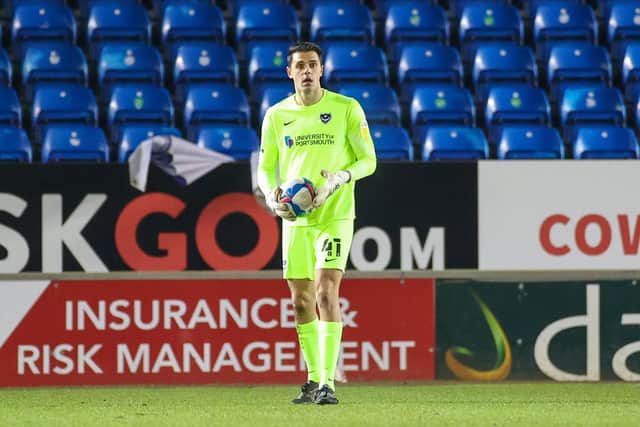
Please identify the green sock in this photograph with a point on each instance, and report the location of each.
(309, 343)
(330, 338)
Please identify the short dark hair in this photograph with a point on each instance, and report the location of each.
(304, 47)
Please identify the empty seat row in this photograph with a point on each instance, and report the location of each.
(88, 143)
(458, 143)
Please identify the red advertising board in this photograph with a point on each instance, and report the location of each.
(203, 331)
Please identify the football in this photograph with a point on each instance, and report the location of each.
(299, 194)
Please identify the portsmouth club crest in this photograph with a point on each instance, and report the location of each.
(325, 117)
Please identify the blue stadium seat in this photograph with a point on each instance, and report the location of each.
(271, 96)
(189, 23)
(414, 23)
(348, 22)
(159, 6)
(75, 143)
(307, 7)
(481, 24)
(380, 103)
(6, 69)
(631, 72)
(64, 63)
(530, 142)
(235, 141)
(15, 145)
(428, 65)
(456, 7)
(530, 7)
(128, 64)
(219, 105)
(9, 6)
(445, 106)
(455, 143)
(577, 64)
(622, 28)
(267, 68)
(41, 24)
(357, 63)
(590, 107)
(111, 23)
(260, 23)
(10, 110)
(132, 136)
(53, 106)
(502, 64)
(557, 23)
(203, 63)
(605, 143)
(391, 142)
(515, 106)
(141, 105)
(84, 6)
(234, 6)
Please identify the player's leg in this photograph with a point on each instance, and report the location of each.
(299, 271)
(332, 251)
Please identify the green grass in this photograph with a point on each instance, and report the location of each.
(505, 404)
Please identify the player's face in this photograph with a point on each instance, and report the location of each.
(305, 71)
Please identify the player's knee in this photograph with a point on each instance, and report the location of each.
(327, 300)
(303, 303)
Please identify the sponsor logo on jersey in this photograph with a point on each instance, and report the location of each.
(325, 117)
(288, 141)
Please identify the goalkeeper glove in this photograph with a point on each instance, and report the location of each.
(334, 181)
(283, 210)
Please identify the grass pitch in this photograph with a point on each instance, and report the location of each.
(540, 404)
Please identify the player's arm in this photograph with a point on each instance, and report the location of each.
(359, 138)
(361, 143)
(268, 170)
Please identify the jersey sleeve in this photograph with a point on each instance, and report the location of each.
(361, 143)
(268, 159)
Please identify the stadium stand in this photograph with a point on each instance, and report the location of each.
(128, 64)
(114, 22)
(201, 63)
(15, 146)
(530, 142)
(502, 64)
(54, 106)
(41, 24)
(454, 143)
(237, 142)
(48, 65)
(515, 106)
(75, 143)
(416, 66)
(437, 107)
(214, 105)
(391, 142)
(379, 102)
(10, 110)
(484, 24)
(186, 23)
(605, 143)
(411, 23)
(143, 105)
(132, 136)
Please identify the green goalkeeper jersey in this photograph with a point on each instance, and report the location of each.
(299, 141)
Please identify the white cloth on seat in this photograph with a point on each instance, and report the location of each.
(182, 159)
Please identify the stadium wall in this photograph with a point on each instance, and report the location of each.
(85, 297)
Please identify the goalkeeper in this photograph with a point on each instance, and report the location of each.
(322, 136)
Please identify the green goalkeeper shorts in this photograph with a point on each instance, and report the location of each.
(308, 248)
